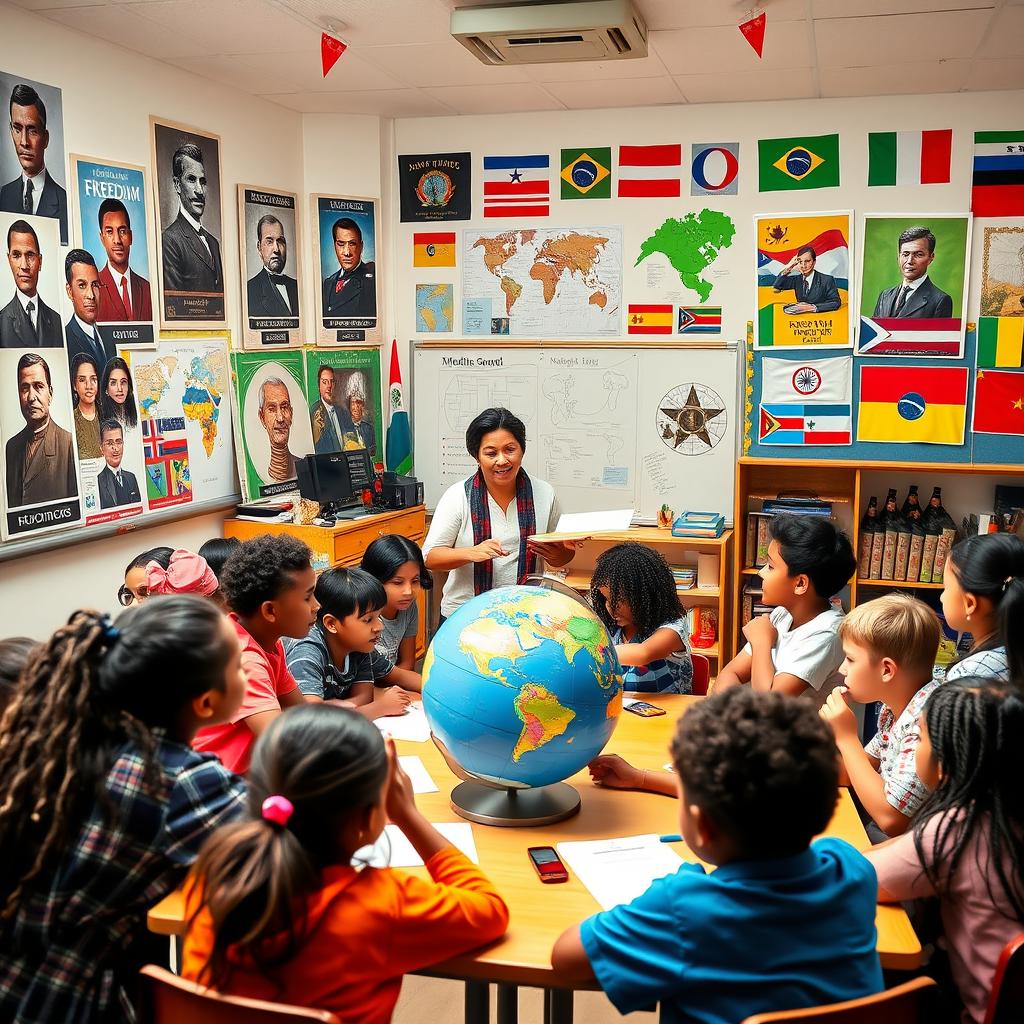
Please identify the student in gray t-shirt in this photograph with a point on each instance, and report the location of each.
(398, 563)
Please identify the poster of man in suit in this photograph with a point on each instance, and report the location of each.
(269, 258)
(32, 285)
(343, 390)
(117, 486)
(114, 227)
(186, 164)
(913, 284)
(349, 294)
(32, 176)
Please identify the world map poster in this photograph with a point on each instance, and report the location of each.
(546, 282)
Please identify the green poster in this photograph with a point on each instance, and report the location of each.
(344, 400)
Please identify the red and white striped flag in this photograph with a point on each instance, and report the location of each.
(650, 171)
(517, 186)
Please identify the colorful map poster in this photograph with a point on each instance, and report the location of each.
(691, 244)
(547, 282)
(435, 309)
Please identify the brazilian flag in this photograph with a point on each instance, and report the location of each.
(798, 163)
(586, 173)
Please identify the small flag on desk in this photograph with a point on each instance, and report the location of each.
(433, 249)
(649, 320)
(517, 186)
(909, 158)
(399, 442)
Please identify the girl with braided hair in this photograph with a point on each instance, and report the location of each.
(634, 594)
(279, 911)
(103, 803)
(966, 843)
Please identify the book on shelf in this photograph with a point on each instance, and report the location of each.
(698, 524)
(756, 535)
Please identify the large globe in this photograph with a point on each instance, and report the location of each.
(522, 686)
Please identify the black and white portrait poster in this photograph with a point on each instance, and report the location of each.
(33, 180)
(435, 186)
(186, 168)
(269, 256)
(348, 295)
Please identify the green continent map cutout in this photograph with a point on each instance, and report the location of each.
(544, 718)
(691, 243)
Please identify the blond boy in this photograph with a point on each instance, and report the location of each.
(889, 648)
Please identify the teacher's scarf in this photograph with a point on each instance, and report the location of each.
(476, 493)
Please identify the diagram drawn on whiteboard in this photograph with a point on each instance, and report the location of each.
(692, 419)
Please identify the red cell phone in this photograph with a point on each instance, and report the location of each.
(547, 864)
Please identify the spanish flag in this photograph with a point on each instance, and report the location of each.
(1000, 341)
(649, 320)
(926, 404)
(433, 249)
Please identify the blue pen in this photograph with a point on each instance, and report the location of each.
(670, 839)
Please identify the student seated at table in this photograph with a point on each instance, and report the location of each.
(280, 911)
(889, 648)
(217, 551)
(135, 589)
(185, 573)
(781, 923)
(269, 586)
(334, 661)
(965, 844)
(796, 648)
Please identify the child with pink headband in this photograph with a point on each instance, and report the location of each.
(186, 573)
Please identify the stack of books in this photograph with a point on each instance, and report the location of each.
(685, 576)
(699, 524)
(756, 547)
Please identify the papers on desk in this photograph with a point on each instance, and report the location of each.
(616, 871)
(594, 522)
(392, 849)
(418, 774)
(410, 726)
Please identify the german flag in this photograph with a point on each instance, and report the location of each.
(649, 320)
(433, 249)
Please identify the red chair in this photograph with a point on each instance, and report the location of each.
(910, 1003)
(168, 999)
(701, 674)
(1006, 1000)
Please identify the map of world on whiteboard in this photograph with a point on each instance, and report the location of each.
(548, 282)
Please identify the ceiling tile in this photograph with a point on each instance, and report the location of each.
(381, 22)
(625, 92)
(894, 79)
(495, 99)
(1007, 36)
(438, 64)
(383, 103)
(242, 73)
(666, 14)
(862, 42)
(724, 51)
(756, 85)
(870, 8)
(123, 27)
(352, 72)
(650, 66)
(51, 5)
(995, 74)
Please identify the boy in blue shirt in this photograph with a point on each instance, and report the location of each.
(782, 923)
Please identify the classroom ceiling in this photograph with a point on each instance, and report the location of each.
(402, 61)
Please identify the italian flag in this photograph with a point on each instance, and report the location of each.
(909, 158)
(399, 442)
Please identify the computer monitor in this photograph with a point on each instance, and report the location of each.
(335, 478)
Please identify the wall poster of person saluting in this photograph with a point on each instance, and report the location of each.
(348, 296)
(186, 165)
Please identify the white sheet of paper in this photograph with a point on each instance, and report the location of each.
(418, 774)
(616, 871)
(594, 522)
(412, 725)
(393, 850)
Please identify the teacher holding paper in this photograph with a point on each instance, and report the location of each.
(480, 526)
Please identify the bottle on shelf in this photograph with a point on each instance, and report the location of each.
(868, 532)
(917, 536)
(947, 533)
(932, 531)
(911, 502)
(891, 522)
(903, 538)
(890, 511)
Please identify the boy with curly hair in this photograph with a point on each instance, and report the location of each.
(268, 583)
(782, 923)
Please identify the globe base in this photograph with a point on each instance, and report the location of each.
(515, 808)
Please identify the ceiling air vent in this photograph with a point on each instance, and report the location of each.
(580, 30)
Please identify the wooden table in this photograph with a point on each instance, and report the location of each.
(540, 913)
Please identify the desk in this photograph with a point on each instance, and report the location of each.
(540, 913)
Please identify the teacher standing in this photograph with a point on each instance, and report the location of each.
(481, 525)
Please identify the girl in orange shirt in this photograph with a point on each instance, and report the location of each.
(278, 912)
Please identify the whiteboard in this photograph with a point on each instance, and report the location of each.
(607, 426)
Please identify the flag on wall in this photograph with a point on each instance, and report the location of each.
(650, 171)
(398, 450)
(908, 336)
(997, 187)
(165, 447)
(433, 249)
(927, 404)
(649, 319)
(517, 186)
(999, 402)
(700, 319)
(586, 173)
(1001, 341)
(715, 169)
(798, 163)
(909, 158)
(805, 401)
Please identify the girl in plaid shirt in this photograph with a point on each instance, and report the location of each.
(103, 803)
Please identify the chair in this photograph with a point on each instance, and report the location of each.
(909, 1003)
(701, 674)
(168, 999)
(1006, 1000)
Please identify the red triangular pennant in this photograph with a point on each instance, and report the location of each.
(753, 32)
(331, 50)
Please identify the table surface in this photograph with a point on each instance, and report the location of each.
(540, 913)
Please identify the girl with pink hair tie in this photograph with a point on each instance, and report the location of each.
(186, 573)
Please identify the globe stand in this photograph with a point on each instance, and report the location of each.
(515, 808)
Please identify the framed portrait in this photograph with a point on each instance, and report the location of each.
(348, 295)
(32, 289)
(114, 228)
(343, 393)
(188, 192)
(913, 284)
(1002, 270)
(269, 256)
(803, 280)
(33, 179)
